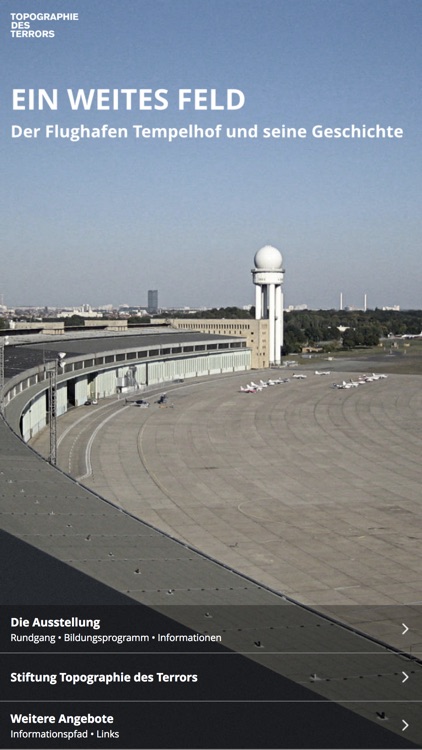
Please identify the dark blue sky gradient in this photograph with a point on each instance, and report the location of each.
(103, 221)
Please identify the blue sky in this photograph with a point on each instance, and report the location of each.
(103, 221)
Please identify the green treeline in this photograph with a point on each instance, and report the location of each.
(313, 327)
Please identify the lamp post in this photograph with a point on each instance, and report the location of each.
(3, 342)
(52, 374)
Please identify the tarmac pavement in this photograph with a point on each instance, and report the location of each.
(313, 491)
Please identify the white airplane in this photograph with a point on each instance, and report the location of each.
(248, 389)
(256, 386)
(281, 380)
(342, 385)
(299, 376)
(322, 372)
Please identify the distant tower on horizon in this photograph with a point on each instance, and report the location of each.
(152, 306)
(268, 276)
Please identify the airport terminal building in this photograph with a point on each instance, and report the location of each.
(62, 543)
(92, 367)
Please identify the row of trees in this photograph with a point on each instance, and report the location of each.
(312, 327)
(389, 321)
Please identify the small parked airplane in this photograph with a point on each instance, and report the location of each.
(355, 383)
(255, 386)
(322, 372)
(375, 376)
(299, 376)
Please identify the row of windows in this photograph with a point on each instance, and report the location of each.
(218, 326)
(119, 357)
(123, 356)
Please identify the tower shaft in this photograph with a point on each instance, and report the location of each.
(268, 276)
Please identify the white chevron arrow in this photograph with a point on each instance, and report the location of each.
(406, 677)
(405, 725)
(405, 628)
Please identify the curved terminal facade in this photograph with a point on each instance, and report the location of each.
(95, 368)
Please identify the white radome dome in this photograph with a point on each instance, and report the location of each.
(268, 258)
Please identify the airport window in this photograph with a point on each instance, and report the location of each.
(99, 360)
(153, 353)
(109, 358)
(120, 357)
(212, 346)
(188, 348)
(200, 348)
(89, 363)
(165, 351)
(131, 355)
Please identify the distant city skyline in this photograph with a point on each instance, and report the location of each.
(110, 307)
(111, 218)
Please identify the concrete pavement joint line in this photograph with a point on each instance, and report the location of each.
(358, 447)
(141, 453)
(151, 474)
(117, 403)
(91, 440)
(92, 415)
(81, 419)
(147, 392)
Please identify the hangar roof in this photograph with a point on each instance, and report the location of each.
(23, 356)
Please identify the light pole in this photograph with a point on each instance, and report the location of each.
(52, 374)
(3, 342)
